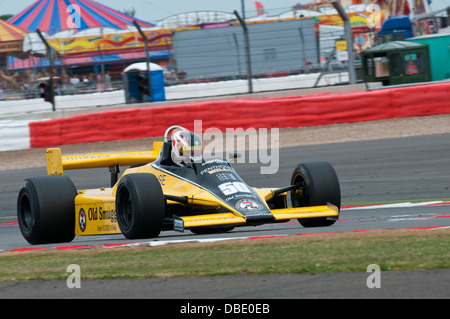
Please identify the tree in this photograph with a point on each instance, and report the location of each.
(6, 17)
(131, 12)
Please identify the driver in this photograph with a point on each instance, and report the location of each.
(186, 147)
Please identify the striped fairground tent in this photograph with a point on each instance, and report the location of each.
(9, 32)
(11, 39)
(52, 16)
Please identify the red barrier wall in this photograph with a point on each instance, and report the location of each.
(307, 110)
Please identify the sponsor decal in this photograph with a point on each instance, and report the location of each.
(248, 205)
(97, 213)
(82, 219)
(225, 177)
(214, 160)
(237, 196)
(162, 179)
(178, 224)
(100, 219)
(87, 157)
(216, 169)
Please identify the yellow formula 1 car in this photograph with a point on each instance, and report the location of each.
(168, 188)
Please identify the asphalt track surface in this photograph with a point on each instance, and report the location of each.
(379, 170)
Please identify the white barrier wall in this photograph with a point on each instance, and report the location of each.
(14, 135)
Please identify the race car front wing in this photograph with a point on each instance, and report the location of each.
(231, 219)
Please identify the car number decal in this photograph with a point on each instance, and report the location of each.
(231, 188)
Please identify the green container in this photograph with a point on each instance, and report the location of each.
(396, 62)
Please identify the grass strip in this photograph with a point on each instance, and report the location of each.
(341, 252)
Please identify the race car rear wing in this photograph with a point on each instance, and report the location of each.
(56, 163)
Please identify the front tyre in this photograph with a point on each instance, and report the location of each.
(319, 185)
(46, 209)
(140, 206)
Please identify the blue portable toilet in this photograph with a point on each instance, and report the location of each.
(396, 28)
(131, 83)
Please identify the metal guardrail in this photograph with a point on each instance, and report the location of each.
(60, 90)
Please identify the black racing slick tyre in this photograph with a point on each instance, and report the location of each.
(319, 185)
(46, 209)
(140, 206)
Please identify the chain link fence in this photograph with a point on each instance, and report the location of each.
(208, 55)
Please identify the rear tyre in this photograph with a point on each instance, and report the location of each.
(140, 206)
(319, 186)
(46, 209)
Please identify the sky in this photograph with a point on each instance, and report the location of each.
(154, 10)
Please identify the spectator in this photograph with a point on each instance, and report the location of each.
(182, 75)
(75, 81)
(307, 66)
